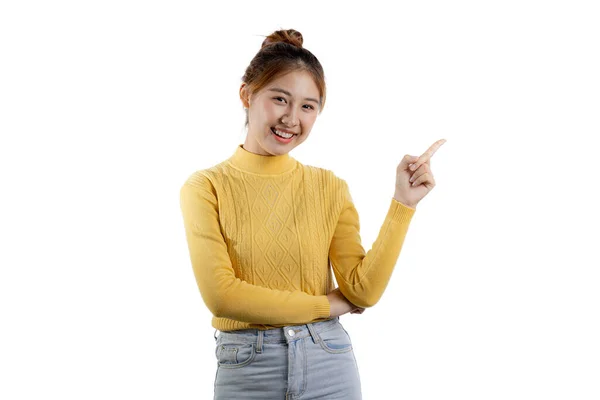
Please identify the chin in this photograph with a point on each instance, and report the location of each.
(278, 153)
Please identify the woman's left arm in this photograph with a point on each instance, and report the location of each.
(363, 276)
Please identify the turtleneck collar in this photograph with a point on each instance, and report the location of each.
(259, 164)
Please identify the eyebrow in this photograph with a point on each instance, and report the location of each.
(289, 94)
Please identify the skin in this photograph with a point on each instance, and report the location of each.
(294, 113)
(414, 178)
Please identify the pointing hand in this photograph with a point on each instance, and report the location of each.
(414, 178)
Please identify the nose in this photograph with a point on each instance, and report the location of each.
(291, 118)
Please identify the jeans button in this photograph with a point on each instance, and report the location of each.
(291, 332)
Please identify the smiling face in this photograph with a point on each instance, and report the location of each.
(288, 103)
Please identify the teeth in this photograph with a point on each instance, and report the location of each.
(283, 134)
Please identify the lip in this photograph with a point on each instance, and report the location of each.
(285, 130)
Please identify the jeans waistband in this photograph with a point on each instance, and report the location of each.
(278, 335)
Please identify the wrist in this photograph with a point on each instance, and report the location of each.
(399, 199)
(331, 305)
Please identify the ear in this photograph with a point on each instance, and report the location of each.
(244, 95)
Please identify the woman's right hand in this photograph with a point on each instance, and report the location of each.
(340, 305)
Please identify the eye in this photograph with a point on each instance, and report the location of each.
(282, 98)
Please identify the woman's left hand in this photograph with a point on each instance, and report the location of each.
(414, 178)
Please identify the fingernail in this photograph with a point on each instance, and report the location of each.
(409, 165)
(412, 167)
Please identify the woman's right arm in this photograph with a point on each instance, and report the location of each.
(225, 295)
(340, 305)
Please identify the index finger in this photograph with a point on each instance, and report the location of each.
(432, 149)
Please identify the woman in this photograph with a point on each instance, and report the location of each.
(262, 229)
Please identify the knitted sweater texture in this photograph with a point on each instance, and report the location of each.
(265, 234)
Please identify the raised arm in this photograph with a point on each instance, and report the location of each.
(362, 277)
(225, 295)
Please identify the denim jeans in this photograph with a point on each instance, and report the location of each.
(310, 361)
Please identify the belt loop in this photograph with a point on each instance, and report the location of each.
(313, 332)
(215, 335)
(259, 342)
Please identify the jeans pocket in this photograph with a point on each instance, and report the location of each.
(335, 340)
(234, 355)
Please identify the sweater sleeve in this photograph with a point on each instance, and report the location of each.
(362, 277)
(225, 295)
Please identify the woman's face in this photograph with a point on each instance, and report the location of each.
(289, 103)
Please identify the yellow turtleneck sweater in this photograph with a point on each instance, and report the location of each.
(262, 231)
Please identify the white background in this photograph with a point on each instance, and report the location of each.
(107, 107)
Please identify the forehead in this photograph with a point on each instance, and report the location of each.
(298, 83)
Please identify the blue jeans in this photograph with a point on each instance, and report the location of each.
(310, 361)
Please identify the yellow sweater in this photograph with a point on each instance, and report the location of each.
(262, 232)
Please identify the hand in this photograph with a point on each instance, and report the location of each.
(340, 305)
(410, 193)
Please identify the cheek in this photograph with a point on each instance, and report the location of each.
(308, 122)
(270, 114)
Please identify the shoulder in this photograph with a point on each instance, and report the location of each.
(205, 178)
(333, 179)
(324, 174)
(329, 182)
(202, 179)
(198, 179)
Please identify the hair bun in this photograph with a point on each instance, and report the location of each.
(290, 36)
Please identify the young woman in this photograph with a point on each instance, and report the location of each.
(265, 233)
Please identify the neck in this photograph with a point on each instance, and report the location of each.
(254, 163)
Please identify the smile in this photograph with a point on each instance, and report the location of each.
(282, 134)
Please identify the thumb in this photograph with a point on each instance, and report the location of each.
(409, 160)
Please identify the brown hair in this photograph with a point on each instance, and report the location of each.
(282, 52)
